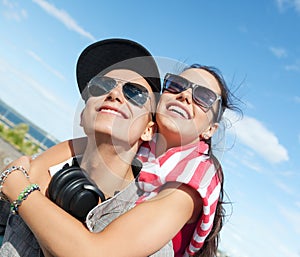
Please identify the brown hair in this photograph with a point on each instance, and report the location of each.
(210, 247)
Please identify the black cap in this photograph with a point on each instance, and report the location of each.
(105, 55)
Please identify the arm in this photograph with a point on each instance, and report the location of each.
(149, 225)
(56, 154)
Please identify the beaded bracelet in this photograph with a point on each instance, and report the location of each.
(23, 196)
(5, 174)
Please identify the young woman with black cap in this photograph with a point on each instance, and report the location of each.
(182, 188)
(117, 118)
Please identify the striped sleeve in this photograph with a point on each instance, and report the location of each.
(190, 165)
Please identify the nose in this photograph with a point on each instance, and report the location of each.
(185, 96)
(116, 94)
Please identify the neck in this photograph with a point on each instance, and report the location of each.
(161, 145)
(164, 143)
(109, 165)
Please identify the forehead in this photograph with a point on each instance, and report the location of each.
(129, 75)
(203, 78)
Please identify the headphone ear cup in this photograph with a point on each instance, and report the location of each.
(71, 190)
(61, 178)
(77, 199)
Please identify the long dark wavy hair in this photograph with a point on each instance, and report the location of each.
(210, 246)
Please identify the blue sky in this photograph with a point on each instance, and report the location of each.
(256, 45)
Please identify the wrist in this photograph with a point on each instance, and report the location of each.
(14, 206)
(14, 183)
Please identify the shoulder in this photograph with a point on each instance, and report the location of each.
(61, 152)
(39, 169)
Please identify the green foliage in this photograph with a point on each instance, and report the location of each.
(16, 136)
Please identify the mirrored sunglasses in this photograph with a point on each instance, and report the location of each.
(133, 92)
(202, 96)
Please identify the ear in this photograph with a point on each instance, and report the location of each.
(210, 131)
(149, 131)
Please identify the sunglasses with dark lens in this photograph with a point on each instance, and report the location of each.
(133, 92)
(202, 96)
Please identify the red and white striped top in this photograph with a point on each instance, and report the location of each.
(192, 165)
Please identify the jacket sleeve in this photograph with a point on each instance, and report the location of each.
(4, 212)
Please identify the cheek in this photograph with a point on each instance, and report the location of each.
(203, 118)
(163, 100)
(202, 122)
(138, 126)
(167, 124)
(85, 118)
(90, 120)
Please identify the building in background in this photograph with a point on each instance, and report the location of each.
(7, 154)
(9, 118)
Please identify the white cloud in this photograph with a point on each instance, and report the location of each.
(255, 135)
(284, 187)
(284, 4)
(281, 4)
(279, 52)
(251, 165)
(13, 11)
(297, 99)
(63, 17)
(293, 217)
(44, 64)
(247, 230)
(293, 67)
(297, 5)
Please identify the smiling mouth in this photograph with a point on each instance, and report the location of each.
(111, 111)
(176, 109)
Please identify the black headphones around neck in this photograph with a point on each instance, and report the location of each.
(72, 190)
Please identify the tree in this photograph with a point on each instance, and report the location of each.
(16, 136)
